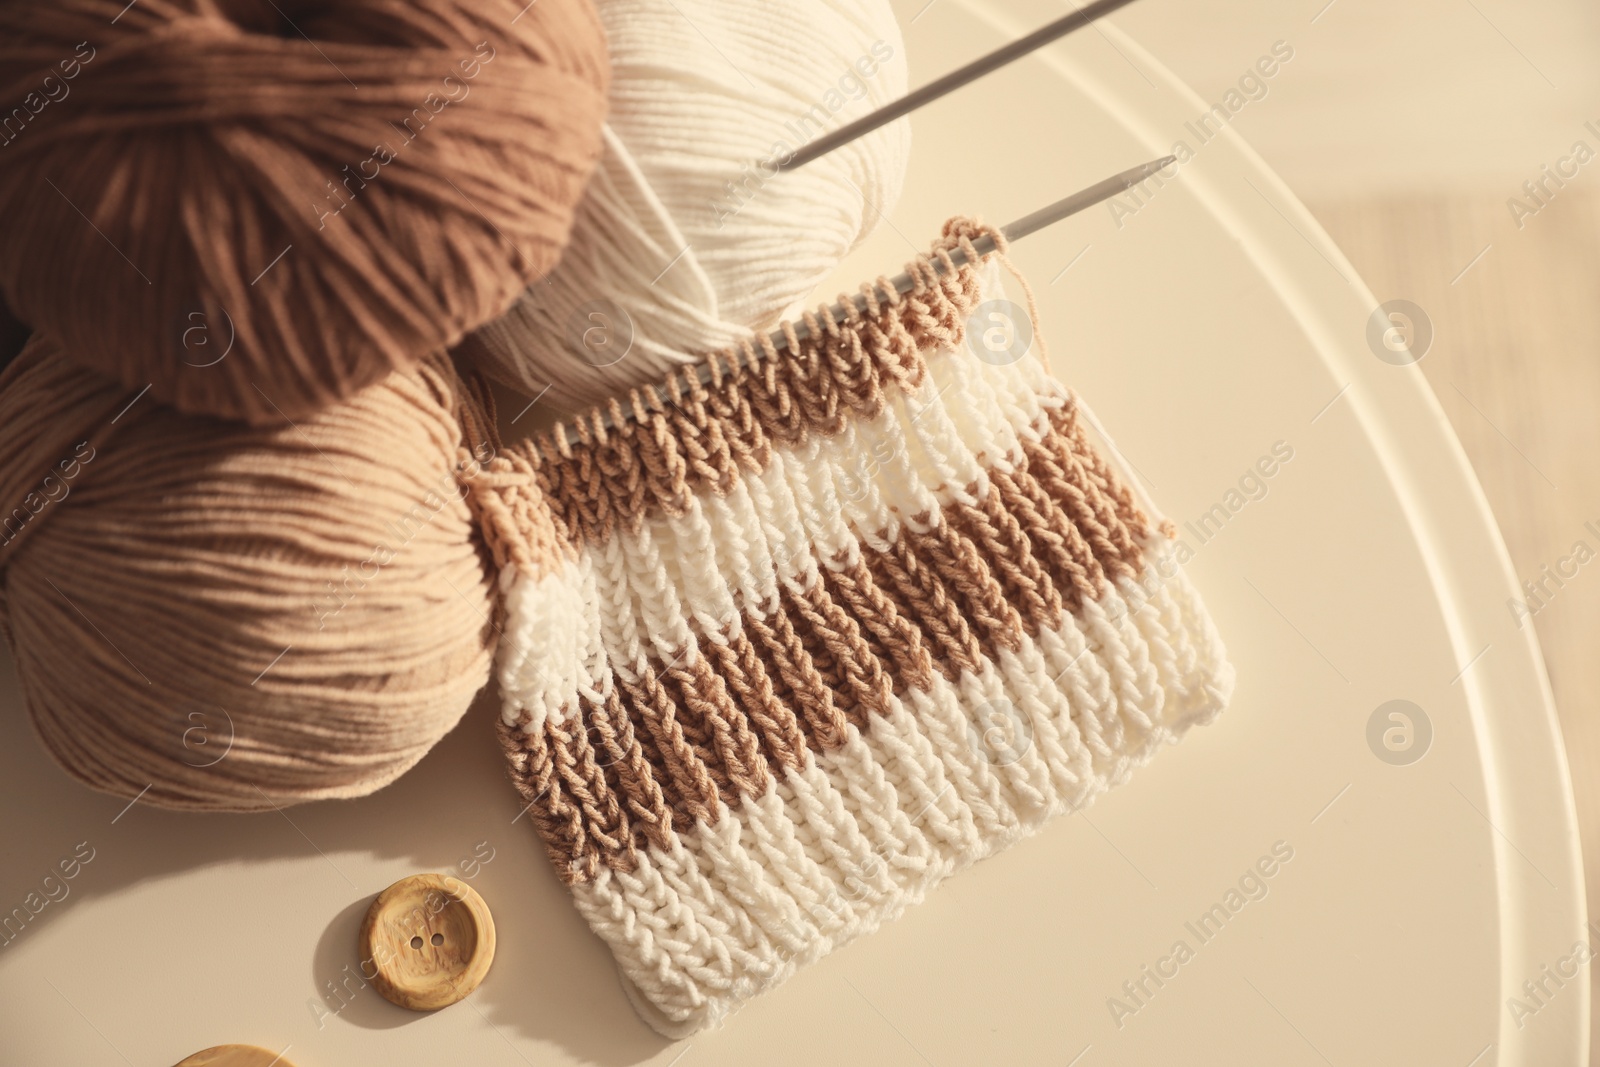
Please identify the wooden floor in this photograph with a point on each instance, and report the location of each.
(1516, 364)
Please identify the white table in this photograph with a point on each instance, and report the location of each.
(1212, 323)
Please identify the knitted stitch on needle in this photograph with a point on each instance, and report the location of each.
(781, 656)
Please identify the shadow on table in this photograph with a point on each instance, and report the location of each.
(552, 979)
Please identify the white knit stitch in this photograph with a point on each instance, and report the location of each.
(741, 544)
(542, 654)
(622, 625)
(898, 746)
(855, 482)
(947, 465)
(944, 720)
(894, 489)
(817, 502)
(1020, 772)
(702, 589)
(789, 544)
(832, 841)
(653, 581)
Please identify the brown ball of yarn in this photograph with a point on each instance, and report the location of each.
(239, 617)
(13, 335)
(259, 206)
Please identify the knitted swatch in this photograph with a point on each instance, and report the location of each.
(780, 657)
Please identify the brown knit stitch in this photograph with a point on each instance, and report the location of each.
(823, 661)
(1094, 512)
(957, 561)
(776, 730)
(999, 539)
(688, 788)
(741, 425)
(878, 650)
(802, 683)
(519, 526)
(705, 446)
(1060, 497)
(921, 597)
(749, 719)
(863, 675)
(558, 818)
(894, 640)
(696, 694)
(604, 821)
(663, 777)
(632, 776)
(1050, 536)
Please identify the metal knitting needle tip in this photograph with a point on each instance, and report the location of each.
(953, 81)
(1085, 198)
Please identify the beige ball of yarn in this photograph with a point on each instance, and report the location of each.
(687, 240)
(228, 617)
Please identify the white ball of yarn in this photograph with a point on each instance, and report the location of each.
(687, 239)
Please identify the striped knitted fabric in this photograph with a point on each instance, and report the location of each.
(780, 657)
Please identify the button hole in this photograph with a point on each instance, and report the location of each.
(416, 942)
(438, 939)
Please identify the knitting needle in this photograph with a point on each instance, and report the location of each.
(953, 81)
(1028, 224)
(904, 282)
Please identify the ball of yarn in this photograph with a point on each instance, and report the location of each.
(688, 238)
(13, 335)
(219, 616)
(257, 207)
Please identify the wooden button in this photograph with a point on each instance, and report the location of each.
(429, 939)
(236, 1056)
